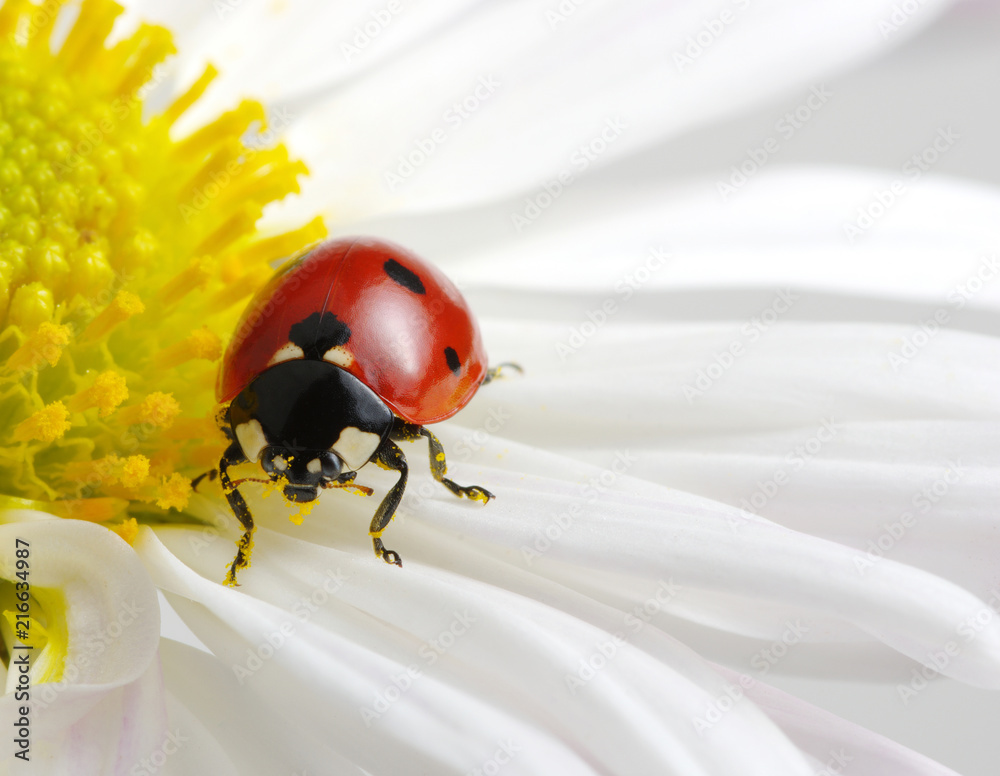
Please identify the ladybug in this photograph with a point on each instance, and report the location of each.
(351, 347)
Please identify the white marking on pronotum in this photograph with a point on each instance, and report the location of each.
(340, 356)
(287, 352)
(355, 446)
(314, 466)
(251, 438)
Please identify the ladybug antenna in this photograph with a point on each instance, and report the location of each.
(497, 371)
(237, 483)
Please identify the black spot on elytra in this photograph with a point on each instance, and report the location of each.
(407, 278)
(318, 333)
(451, 357)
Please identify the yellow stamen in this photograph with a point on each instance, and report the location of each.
(107, 392)
(174, 492)
(193, 428)
(275, 183)
(127, 529)
(232, 228)
(4, 294)
(237, 290)
(195, 275)
(204, 457)
(130, 472)
(156, 46)
(96, 19)
(157, 409)
(93, 510)
(93, 474)
(46, 425)
(134, 471)
(190, 97)
(124, 306)
(217, 172)
(229, 124)
(10, 15)
(201, 343)
(279, 246)
(42, 23)
(46, 344)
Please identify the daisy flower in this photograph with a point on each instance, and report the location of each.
(749, 439)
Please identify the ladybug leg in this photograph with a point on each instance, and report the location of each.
(211, 474)
(439, 466)
(391, 458)
(233, 456)
(222, 421)
(494, 372)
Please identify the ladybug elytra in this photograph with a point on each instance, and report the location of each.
(351, 347)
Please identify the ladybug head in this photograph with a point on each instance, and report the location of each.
(309, 424)
(304, 471)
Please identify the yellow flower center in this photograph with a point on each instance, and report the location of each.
(125, 253)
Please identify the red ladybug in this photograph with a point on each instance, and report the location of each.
(351, 347)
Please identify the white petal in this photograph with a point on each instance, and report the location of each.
(644, 531)
(107, 704)
(484, 663)
(836, 744)
(558, 102)
(785, 228)
(283, 51)
(226, 733)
